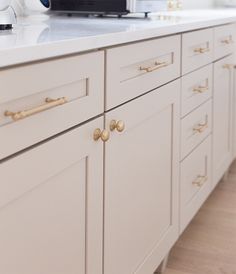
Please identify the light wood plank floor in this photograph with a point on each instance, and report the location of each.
(208, 245)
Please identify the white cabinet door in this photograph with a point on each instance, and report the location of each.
(222, 117)
(142, 182)
(51, 207)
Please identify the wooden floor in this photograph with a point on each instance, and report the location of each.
(208, 246)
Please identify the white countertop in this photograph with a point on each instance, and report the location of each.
(40, 37)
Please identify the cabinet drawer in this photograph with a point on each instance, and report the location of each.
(197, 49)
(196, 89)
(135, 69)
(223, 41)
(50, 97)
(195, 181)
(195, 128)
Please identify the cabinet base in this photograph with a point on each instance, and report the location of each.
(162, 268)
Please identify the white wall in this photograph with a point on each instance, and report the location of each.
(197, 4)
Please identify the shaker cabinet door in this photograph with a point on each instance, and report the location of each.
(141, 182)
(222, 117)
(51, 207)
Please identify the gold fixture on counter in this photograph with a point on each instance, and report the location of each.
(49, 103)
(174, 5)
(104, 135)
(117, 125)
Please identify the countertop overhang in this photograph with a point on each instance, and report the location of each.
(41, 37)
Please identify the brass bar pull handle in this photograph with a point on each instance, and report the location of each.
(228, 66)
(201, 89)
(201, 50)
(49, 103)
(227, 41)
(201, 127)
(158, 65)
(200, 181)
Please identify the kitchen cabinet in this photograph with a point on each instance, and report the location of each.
(105, 162)
(51, 206)
(222, 116)
(141, 182)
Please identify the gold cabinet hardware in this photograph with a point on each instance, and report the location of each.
(49, 103)
(228, 66)
(158, 65)
(201, 127)
(201, 89)
(117, 125)
(179, 5)
(171, 5)
(227, 41)
(201, 50)
(200, 181)
(104, 135)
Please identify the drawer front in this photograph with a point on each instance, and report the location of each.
(195, 128)
(197, 50)
(195, 181)
(196, 89)
(223, 41)
(44, 99)
(135, 69)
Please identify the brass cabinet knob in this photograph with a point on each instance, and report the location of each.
(117, 125)
(170, 5)
(104, 135)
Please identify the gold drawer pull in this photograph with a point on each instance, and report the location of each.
(200, 181)
(201, 127)
(117, 125)
(228, 66)
(104, 135)
(158, 65)
(201, 89)
(227, 41)
(202, 50)
(49, 103)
